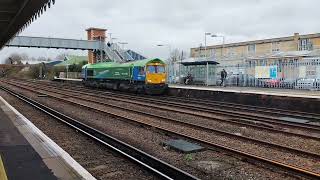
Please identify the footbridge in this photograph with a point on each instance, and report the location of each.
(104, 51)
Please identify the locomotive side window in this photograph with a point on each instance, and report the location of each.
(156, 69)
(89, 72)
(141, 70)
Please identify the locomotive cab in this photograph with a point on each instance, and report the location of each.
(155, 78)
(156, 74)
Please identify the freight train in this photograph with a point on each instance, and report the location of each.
(143, 76)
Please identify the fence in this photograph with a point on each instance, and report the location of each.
(291, 74)
(71, 75)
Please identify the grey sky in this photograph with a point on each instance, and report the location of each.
(181, 23)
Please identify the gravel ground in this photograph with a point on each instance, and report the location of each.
(214, 116)
(264, 135)
(265, 151)
(288, 157)
(150, 140)
(99, 161)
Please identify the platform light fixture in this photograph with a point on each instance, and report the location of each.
(223, 42)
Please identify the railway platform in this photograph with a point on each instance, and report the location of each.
(27, 153)
(297, 100)
(252, 90)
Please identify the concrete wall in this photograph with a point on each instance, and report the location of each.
(281, 102)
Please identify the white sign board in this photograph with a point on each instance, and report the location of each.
(302, 71)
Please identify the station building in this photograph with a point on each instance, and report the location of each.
(260, 51)
(294, 60)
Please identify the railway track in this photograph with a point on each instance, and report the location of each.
(230, 149)
(225, 105)
(183, 107)
(249, 108)
(226, 109)
(152, 164)
(228, 105)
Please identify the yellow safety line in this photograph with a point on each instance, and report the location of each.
(3, 175)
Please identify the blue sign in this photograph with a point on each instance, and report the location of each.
(273, 72)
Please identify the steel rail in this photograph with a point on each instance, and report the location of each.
(261, 109)
(199, 115)
(230, 113)
(293, 169)
(157, 166)
(193, 125)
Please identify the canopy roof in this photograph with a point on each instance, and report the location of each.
(69, 60)
(15, 15)
(198, 61)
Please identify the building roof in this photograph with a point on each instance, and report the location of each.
(287, 54)
(15, 15)
(53, 63)
(98, 29)
(244, 43)
(69, 60)
(198, 61)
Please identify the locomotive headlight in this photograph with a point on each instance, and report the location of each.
(163, 80)
(149, 80)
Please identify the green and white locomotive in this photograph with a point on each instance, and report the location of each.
(143, 76)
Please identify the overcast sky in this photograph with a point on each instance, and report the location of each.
(180, 23)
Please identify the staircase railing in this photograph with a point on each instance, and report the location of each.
(111, 54)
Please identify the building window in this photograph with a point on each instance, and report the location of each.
(263, 62)
(212, 52)
(251, 48)
(231, 51)
(275, 46)
(305, 44)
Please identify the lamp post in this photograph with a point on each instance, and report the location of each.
(169, 46)
(110, 35)
(223, 41)
(205, 43)
(67, 70)
(113, 39)
(205, 55)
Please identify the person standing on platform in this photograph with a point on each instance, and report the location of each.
(223, 77)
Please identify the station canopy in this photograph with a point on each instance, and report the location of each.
(198, 61)
(15, 15)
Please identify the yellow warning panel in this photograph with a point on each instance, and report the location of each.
(3, 175)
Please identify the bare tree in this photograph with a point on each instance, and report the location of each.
(14, 58)
(176, 55)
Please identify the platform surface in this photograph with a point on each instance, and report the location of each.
(253, 90)
(68, 79)
(26, 153)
